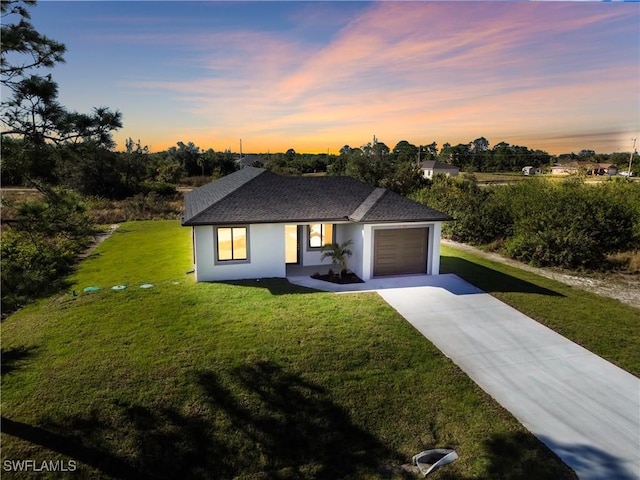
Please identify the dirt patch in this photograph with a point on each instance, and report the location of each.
(625, 288)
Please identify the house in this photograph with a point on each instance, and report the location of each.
(432, 167)
(251, 161)
(529, 170)
(590, 168)
(256, 224)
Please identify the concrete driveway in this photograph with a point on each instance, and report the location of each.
(582, 407)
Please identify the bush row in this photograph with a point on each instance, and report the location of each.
(568, 224)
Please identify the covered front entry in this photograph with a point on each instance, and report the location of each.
(400, 251)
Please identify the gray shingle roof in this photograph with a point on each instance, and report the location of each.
(198, 200)
(254, 195)
(393, 208)
(436, 164)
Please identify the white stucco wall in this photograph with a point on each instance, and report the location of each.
(267, 251)
(430, 172)
(266, 254)
(355, 233)
(435, 232)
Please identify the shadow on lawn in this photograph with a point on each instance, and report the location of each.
(258, 421)
(489, 280)
(276, 286)
(292, 428)
(12, 358)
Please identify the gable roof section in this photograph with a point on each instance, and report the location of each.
(392, 207)
(430, 164)
(198, 200)
(254, 195)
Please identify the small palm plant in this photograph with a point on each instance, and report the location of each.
(338, 254)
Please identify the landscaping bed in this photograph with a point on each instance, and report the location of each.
(345, 278)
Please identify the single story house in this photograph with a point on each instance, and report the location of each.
(251, 161)
(432, 167)
(529, 170)
(255, 224)
(590, 168)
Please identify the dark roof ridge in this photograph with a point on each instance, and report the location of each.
(367, 204)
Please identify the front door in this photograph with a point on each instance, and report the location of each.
(292, 244)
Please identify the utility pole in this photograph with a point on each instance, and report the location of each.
(633, 150)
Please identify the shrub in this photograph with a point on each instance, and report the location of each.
(46, 236)
(569, 224)
(138, 207)
(196, 181)
(160, 188)
(479, 216)
(32, 267)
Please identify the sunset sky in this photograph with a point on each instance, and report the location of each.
(314, 76)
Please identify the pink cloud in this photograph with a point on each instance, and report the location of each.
(427, 69)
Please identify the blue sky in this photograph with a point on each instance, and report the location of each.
(315, 76)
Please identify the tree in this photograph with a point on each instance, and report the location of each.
(133, 163)
(345, 151)
(405, 152)
(31, 113)
(446, 153)
(461, 155)
(479, 145)
(41, 245)
(429, 152)
(186, 155)
(338, 253)
(34, 49)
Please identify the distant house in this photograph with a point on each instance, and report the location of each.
(254, 224)
(252, 161)
(590, 168)
(432, 167)
(529, 170)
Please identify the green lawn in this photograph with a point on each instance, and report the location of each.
(246, 380)
(602, 325)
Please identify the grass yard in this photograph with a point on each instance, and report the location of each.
(602, 325)
(244, 380)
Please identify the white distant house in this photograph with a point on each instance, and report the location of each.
(529, 170)
(590, 168)
(256, 224)
(432, 167)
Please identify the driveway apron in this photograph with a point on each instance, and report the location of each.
(581, 406)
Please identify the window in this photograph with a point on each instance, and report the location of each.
(232, 243)
(320, 234)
